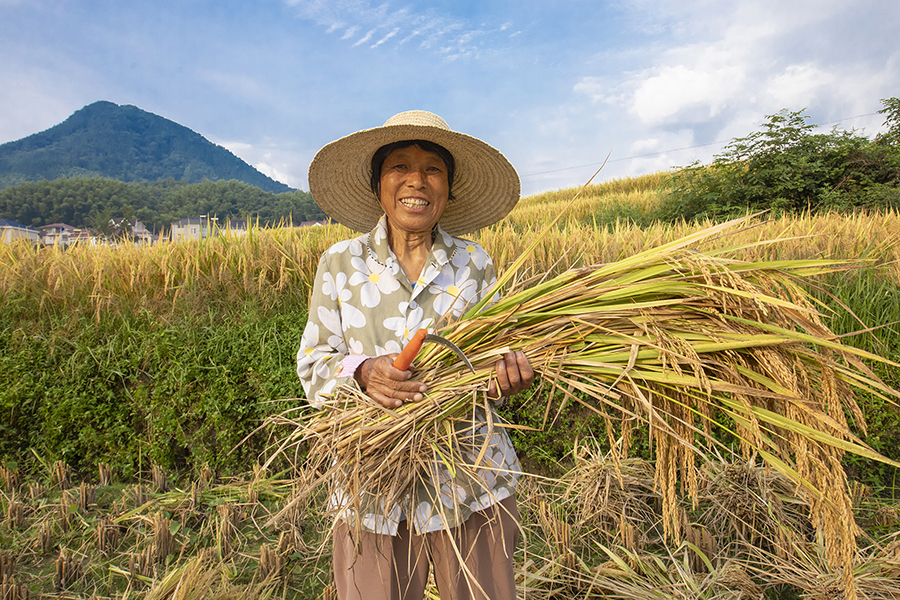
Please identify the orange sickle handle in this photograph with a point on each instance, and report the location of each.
(408, 354)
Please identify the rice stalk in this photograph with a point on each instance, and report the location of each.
(15, 513)
(44, 543)
(875, 574)
(9, 475)
(611, 497)
(751, 506)
(199, 579)
(87, 496)
(629, 575)
(106, 475)
(160, 481)
(8, 562)
(62, 475)
(163, 538)
(681, 339)
(108, 535)
(69, 569)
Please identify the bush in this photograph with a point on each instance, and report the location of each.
(129, 391)
(785, 168)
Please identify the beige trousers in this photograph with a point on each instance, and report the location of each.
(384, 567)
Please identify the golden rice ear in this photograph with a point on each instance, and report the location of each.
(681, 339)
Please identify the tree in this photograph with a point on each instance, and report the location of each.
(786, 168)
(891, 111)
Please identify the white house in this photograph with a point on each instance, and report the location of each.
(11, 231)
(192, 228)
(198, 228)
(57, 233)
(235, 227)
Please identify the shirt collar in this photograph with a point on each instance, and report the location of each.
(442, 249)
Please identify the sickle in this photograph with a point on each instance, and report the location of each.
(408, 354)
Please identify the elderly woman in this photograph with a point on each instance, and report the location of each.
(411, 187)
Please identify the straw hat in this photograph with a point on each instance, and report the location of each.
(485, 185)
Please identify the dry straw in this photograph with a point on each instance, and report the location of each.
(683, 340)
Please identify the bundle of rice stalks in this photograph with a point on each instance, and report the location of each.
(751, 506)
(876, 573)
(201, 579)
(681, 339)
(612, 496)
(630, 575)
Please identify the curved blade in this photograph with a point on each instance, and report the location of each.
(451, 346)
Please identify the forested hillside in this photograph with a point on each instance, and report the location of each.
(125, 143)
(92, 202)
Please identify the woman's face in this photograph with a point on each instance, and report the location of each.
(414, 189)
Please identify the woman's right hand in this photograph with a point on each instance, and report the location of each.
(386, 384)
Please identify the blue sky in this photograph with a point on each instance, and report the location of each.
(555, 85)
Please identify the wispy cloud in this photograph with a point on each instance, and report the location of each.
(365, 38)
(387, 37)
(449, 35)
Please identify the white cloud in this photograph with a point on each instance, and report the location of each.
(692, 93)
(386, 38)
(452, 36)
(728, 68)
(365, 38)
(410, 36)
(274, 159)
(702, 72)
(797, 85)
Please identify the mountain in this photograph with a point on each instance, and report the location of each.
(125, 143)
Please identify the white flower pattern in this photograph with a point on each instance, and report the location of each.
(359, 314)
(375, 281)
(454, 294)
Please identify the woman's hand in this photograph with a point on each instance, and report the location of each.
(513, 375)
(386, 384)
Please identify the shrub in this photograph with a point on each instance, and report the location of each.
(787, 169)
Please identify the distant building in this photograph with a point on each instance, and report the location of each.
(192, 228)
(135, 230)
(87, 237)
(11, 231)
(235, 227)
(57, 234)
(198, 228)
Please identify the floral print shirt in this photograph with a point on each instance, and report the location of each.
(362, 305)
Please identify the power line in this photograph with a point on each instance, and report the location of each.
(671, 150)
(621, 159)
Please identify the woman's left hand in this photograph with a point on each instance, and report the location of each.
(513, 375)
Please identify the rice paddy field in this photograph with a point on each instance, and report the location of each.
(138, 386)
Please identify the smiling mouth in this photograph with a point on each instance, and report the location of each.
(413, 202)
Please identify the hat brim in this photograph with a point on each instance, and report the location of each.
(485, 186)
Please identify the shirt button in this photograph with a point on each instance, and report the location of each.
(413, 305)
